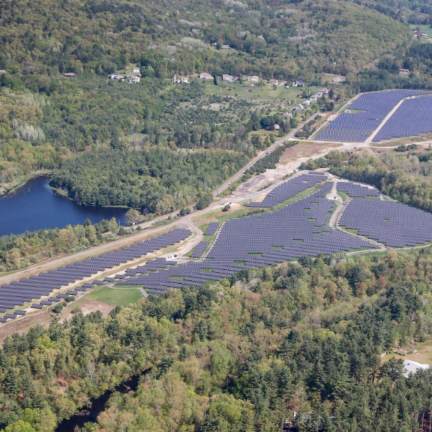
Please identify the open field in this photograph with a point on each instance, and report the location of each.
(420, 352)
(119, 296)
(305, 150)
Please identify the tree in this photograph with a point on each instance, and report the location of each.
(20, 426)
(133, 216)
(204, 201)
(228, 414)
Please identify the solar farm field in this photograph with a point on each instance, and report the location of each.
(299, 229)
(38, 289)
(298, 219)
(413, 118)
(363, 117)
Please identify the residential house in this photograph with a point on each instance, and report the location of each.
(206, 76)
(133, 79)
(229, 78)
(117, 77)
(252, 79)
(179, 79)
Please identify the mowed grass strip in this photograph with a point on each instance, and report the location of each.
(115, 296)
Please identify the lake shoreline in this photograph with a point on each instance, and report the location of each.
(34, 205)
(7, 189)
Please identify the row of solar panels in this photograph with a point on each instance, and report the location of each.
(297, 230)
(26, 290)
(364, 115)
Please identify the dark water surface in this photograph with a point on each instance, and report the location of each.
(97, 406)
(35, 206)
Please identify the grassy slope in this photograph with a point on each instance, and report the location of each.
(115, 296)
(45, 119)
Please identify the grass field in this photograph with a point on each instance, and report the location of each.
(115, 296)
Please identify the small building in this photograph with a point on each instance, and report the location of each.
(298, 83)
(254, 79)
(179, 79)
(69, 74)
(117, 77)
(134, 79)
(205, 76)
(411, 367)
(229, 78)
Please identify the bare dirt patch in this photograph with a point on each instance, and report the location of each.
(305, 150)
(23, 325)
(86, 306)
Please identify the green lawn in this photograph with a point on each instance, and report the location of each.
(115, 296)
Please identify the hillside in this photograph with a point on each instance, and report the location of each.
(412, 11)
(47, 36)
(47, 118)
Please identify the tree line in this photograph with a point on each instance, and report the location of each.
(20, 251)
(298, 345)
(404, 176)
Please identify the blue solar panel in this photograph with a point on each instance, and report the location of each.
(413, 118)
(289, 189)
(362, 117)
(28, 290)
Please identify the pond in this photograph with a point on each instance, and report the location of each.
(36, 206)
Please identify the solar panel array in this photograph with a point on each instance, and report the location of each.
(290, 188)
(199, 249)
(363, 116)
(212, 228)
(297, 230)
(414, 117)
(27, 290)
(392, 223)
(355, 190)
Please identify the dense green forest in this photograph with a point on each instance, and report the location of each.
(412, 11)
(417, 61)
(404, 175)
(47, 118)
(301, 343)
(155, 181)
(185, 36)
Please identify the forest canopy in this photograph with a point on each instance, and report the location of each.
(156, 180)
(300, 344)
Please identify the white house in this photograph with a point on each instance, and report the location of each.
(229, 78)
(134, 79)
(205, 76)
